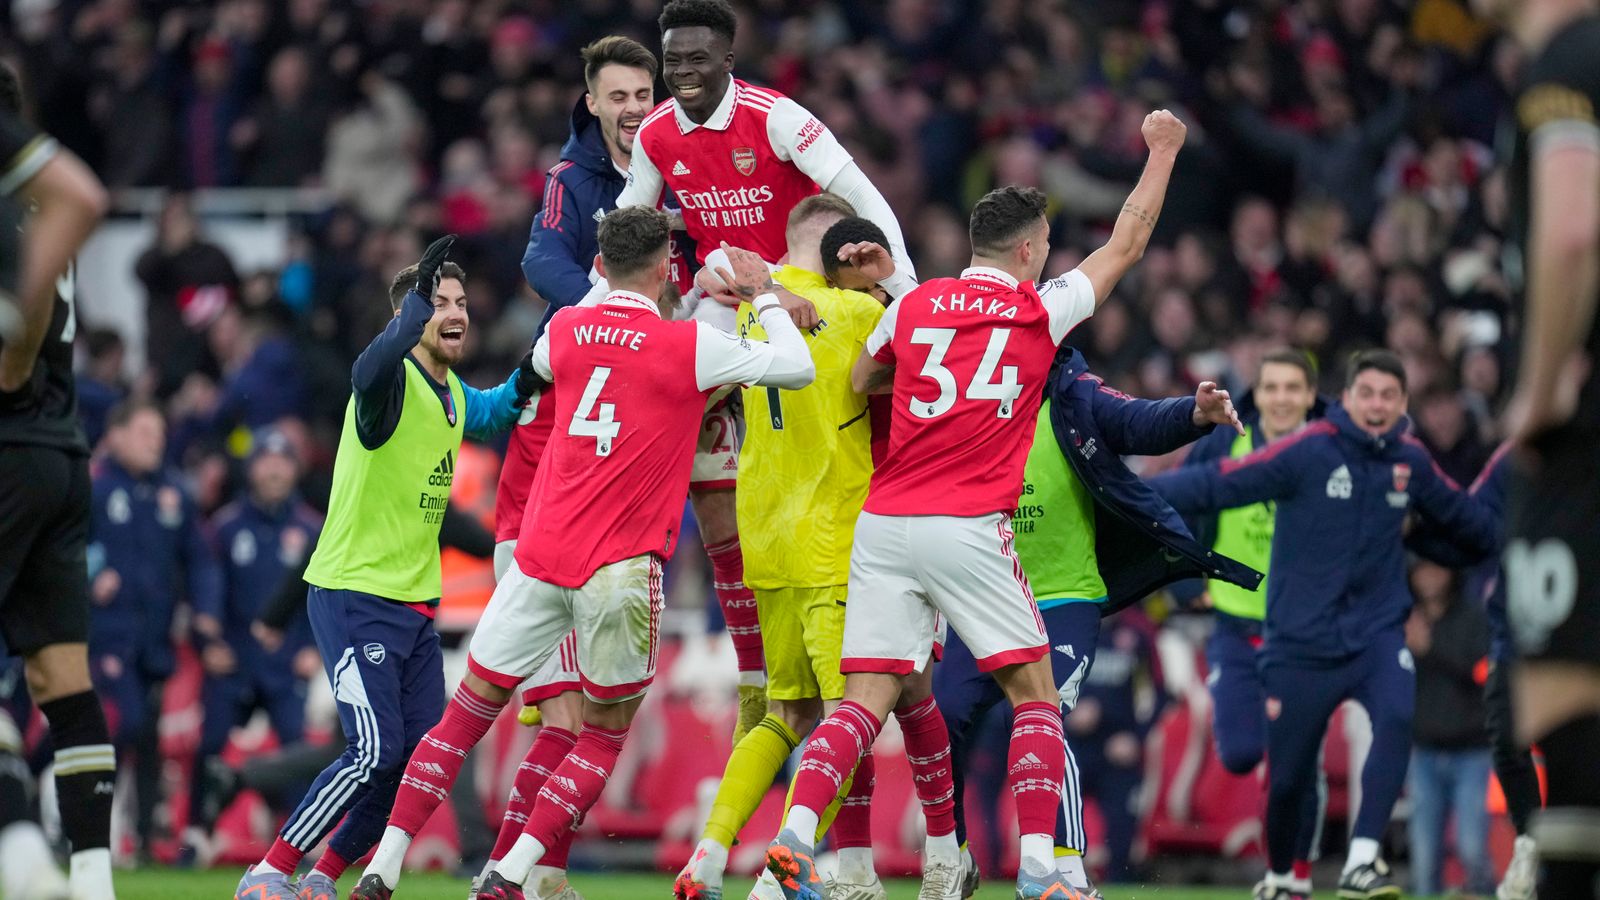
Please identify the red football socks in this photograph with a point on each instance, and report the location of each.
(437, 760)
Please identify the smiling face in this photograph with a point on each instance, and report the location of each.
(620, 98)
(1284, 396)
(1375, 400)
(696, 62)
(445, 337)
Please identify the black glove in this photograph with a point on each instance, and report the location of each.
(428, 267)
(528, 381)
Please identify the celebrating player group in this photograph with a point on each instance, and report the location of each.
(718, 266)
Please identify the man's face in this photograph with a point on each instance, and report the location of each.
(445, 337)
(1376, 401)
(1284, 396)
(620, 98)
(695, 63)
(137, 445)
(272, 477)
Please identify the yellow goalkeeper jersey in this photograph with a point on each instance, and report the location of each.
(807, 457)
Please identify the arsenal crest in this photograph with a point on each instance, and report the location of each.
(1402, 477)
(744, 159)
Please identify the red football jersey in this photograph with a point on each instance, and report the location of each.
(737, 176)
(629, 392)
(528, 439)
(971, 355)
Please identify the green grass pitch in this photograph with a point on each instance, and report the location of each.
(218, 884)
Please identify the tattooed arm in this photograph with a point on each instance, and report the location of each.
(1164, 134)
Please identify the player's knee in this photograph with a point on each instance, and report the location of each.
(56, 671)
(384, 760)
(800, 715)
(563, 711)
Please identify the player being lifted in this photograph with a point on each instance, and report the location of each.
(739, 157)
(602, 518)
(967, 359)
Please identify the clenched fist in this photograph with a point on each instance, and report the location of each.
(1163, 133)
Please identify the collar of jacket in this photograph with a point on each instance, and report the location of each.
(586, 146)
(1378, 445)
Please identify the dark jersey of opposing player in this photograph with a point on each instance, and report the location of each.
(44, 412)
(1559, 101)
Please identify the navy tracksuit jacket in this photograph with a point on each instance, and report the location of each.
(258, 548)
(148, 531)
(1338, 596)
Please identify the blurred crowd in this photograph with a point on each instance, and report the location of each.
(1337, 190)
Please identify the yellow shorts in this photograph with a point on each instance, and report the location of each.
(802, 631)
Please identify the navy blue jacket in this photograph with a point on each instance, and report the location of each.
(1140, 541)
(147, 530)
(258, 547)
(1219, 445)
(1338, 562)
(578, 192)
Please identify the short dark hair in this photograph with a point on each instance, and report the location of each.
(10, 90)
(1002, 216)
(614, 49)
(123, 412)
(1380, 360)
(1289, 356)
(852, 230)
(406, 278)
(716, 15)
(818, 205)
(632, 239)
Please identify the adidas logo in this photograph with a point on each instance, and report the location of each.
(104, 787)
(731, 464)
(445, 471)
(516, 795)
(1067, 649)
(822, 744)
(430, 769)
(565, 783)
(1027, 762)
(679, 168)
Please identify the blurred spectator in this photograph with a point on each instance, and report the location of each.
(101, 384)
(188, 282)
(146, 553)
(133, 112)
(1107, 729)
(280, 141)
(260, 539)
(372, 147)
(1449, 638)
(1446, 427)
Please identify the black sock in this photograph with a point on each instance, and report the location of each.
(86, 769)
(1569, 831)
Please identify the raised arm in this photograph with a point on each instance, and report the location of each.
(1164, 135)
(376, 376)
(797, 135)
(70, 201)
(1267, 474)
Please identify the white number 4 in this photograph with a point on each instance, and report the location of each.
(604, 426)
(983, 385)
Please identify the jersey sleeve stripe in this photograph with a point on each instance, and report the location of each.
(552, 194)
(756, 103)
(664, 109)
(26, 163)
